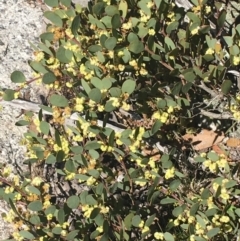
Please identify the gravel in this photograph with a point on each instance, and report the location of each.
(21, 23)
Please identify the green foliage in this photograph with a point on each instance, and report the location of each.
(90, 180)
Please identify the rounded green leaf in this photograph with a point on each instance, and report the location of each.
(44, 127)
(110, 43)
(213, 232)
(111, 10)
(128, 86)
(26, 234)
(92, 145)
(168, 237)
(35, 220)
(35, 206)
(51, 3)
(156, 126)
(168, 201)
(22, 123)
(54, 18)
(115, 92)
(8, 95)
(123, 7)
(61, 216)
(18, 77)
(66, 3)
(226, 86)
(75, 25)
(128, 221)
(73, 202)
(58, 100)
(70, 236)
(116, 21)
(48, 78)
(136, 220)
(33, 190)
(51, 159)
(95, 95)
(47, 36)
(57, 230)
(64, 55)
(38, 67)
(136, 47)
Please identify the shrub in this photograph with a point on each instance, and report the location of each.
(107, 160)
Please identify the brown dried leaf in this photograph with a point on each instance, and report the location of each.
(233, 142)
(204, 139)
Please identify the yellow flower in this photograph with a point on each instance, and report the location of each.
(224, 219)
(100, 229)
(145, 229)
(37, 181)
(170, 173)
(158, 236)
(236, 60)
(207, 9)
(91, 180)
(141, 224)
(151, 32)
(195, 30)
(209, 51)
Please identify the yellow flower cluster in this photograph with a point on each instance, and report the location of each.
(170, 173)
(224, 192)
(214, 166)
(235, 108)
(236, 60)
(64, 147)
(136, 140)
(79, 104)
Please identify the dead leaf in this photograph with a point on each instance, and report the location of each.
(233, 142)
(204, 139)
(219, 150)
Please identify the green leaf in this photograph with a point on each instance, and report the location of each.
(136, 220)
(51, 3)
(173, 186)
(168, 201)
(33, 190)
(70, 236)
(213, 156)
(237, 211)
(221, 18)
(226, 86)
(61, 216)
(45, 49)
(128, 86)
(177, 211)
(38, 67)
(111, 10)
(54, 18)
(35, 206)
(44, 127)
(64, 55)
(47, 37)
(18, 77)
(49, 78)
(115, 92)
(110, 43)
(111, 138)
(66, 3)
(169, 43)
(123, 8)
(57, 230)
(136, 47)
(116, 21)
(76, 149)
(85, 86)
(213, 232)
(51, 159)
(171, 27)
(95, 95)
(150, 220)
(109, 107)
(26, 234)
(35, 220)
(194, 209)
(75, 25)
(92, 145)
(22, 123)
(70, 166)
(168, 237)
(58, 100)
(98, 8)
(94, 48)
(8, 95)
(73, 202)
(156, 127)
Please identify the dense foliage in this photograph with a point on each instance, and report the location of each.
(107, 160)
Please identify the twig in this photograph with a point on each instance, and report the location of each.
(223, 115)
(204, 87)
